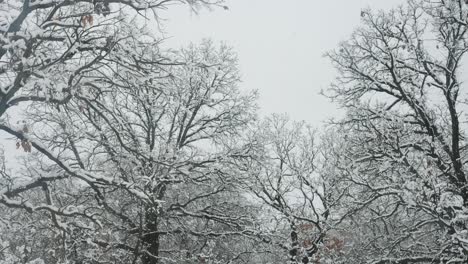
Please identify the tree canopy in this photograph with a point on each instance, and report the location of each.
(134, 153)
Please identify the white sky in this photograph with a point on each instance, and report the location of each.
(280, 44)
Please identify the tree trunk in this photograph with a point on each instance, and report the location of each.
(151, 238)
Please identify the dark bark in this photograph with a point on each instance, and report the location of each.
(151, 238)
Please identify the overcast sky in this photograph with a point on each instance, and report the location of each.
(280, 46)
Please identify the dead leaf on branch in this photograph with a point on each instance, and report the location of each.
(87, 20)
(25, 144)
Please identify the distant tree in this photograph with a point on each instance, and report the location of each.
(285, 175)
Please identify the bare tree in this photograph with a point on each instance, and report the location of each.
(51, 51)
(403, 151)
(89, 80)
(160, 134)
(285, 177)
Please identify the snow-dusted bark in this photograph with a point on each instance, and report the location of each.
(403, 147)
(149, 151)
(52, 51)
(128, 143)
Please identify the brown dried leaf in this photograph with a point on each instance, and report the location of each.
(24, 145)
(83, 21)
(90, 20)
